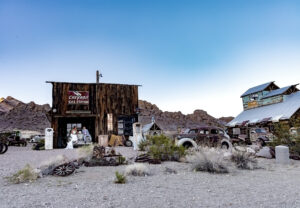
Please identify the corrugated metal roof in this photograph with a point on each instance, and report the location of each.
(147, 127)
(277, 92)
(285, 110)
(257, 89)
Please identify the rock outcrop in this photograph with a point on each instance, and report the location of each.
(15, 114)
(170, 121)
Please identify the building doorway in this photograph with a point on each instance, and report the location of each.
(65, 125)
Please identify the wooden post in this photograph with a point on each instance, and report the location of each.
(97, 77)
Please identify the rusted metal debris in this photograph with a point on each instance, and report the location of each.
(146, 158)
(105, 157)
(64, 169)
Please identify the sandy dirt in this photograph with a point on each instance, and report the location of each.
(273, 186)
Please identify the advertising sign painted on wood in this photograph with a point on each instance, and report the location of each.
(78, 97)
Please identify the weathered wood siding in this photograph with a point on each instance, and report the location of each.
(116, 99)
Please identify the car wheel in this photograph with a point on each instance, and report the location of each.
(225, 146)
(187, 145)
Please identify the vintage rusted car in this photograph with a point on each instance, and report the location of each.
(15, 140)
(250, 135)
(210, 136)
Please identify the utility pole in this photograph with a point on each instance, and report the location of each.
(98, 75)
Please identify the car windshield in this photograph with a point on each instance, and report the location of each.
(260, 130)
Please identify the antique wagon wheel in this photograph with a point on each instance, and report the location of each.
(3, 148)
(64, 169)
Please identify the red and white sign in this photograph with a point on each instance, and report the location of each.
(78, 97)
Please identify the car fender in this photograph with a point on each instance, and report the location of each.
(183, 140)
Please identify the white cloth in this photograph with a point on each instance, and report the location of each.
(74, 138)
(69, 145)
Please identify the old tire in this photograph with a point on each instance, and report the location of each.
(128, 143)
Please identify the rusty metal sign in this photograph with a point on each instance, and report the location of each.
(78, 97)
(252, 104)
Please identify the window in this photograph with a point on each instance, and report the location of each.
(214, 131)
(193, 131)
(254, 97)
(120, 127)
(70, 126)
(110, 122)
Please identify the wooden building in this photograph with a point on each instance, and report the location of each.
(102, 108)
(267, 104)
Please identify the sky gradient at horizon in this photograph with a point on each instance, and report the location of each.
(187, 55)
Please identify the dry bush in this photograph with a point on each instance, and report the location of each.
(27, 174)
(243, 160)
(137, 169)
(59, 159)
(209, 160)
(48, 165)
(85, 152)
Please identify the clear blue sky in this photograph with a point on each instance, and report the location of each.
(187, 54)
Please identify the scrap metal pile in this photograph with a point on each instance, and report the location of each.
(105, 156)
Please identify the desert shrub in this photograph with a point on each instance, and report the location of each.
(27, 174)
(243, 160)
(211, 161)
(284, 137)
(122, 160)
(137, 169)
(120, 178)
(143, 144)
(163, 148)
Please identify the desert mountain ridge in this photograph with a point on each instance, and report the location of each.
(172, 120)
(15, 114)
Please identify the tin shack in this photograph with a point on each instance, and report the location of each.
(100, 107)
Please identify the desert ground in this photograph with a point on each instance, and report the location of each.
(272, 186)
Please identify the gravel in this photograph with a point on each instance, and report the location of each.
(273, 186)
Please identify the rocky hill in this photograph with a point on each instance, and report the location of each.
(170, 121)
(15, 114)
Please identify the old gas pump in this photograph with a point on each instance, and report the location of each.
(49, 138)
